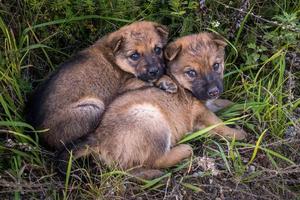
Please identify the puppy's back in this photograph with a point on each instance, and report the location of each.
(84, 74)
(36, 106)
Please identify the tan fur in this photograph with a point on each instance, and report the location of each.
(199, 56)
(141, 128)
(70, 103)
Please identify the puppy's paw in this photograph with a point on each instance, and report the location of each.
(218, 104)
(167, 84)
(223, 103)
(185, 150)
(168, 87)
(146, 174)
(239, 134)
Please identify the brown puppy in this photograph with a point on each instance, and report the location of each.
(141, 128)
(71, 101)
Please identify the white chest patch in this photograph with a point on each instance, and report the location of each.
(150, 117)
(146, 110)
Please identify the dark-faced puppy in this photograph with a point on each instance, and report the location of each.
(140, 129)
(71, 102)
(202, 76)
(142, 54)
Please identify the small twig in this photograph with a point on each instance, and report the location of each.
(229, 189)
(259, 17)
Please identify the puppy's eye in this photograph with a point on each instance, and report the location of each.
(191, 73)
(216, 67)
(135, 56)
(157, 50)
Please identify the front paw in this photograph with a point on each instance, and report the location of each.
(168, 86)
(218, 104)
(223, 103)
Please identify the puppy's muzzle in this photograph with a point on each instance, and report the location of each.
(209, 86)
(213, 92)
(153, 72)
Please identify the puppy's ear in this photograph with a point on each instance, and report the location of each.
(219, 41)
(172, 50)
(162, 31)
(114, 41)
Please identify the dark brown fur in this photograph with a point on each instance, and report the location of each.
(71, 102)
(141, 128)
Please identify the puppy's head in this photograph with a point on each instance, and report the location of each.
(138, 49)
(197, 63)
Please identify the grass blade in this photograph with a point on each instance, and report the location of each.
(153, 182)
(74, 19)
(16, 124)
(68, 175)
(257, 146)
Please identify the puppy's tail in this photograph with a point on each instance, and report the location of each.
(82, 147)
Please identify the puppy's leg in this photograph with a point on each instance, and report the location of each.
(174, 156)
(208, 118)
(73, 122)
(164, 83)
(218, 104)
(134, 84)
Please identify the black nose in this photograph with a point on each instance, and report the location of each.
(213, 92)
(153, 71)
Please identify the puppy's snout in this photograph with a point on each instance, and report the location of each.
(153, 71)
(213, 92)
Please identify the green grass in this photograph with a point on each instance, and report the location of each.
(262, 77)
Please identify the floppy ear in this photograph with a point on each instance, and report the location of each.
(172, 50)
(114, 41)
(219, 41)
(162, 31)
